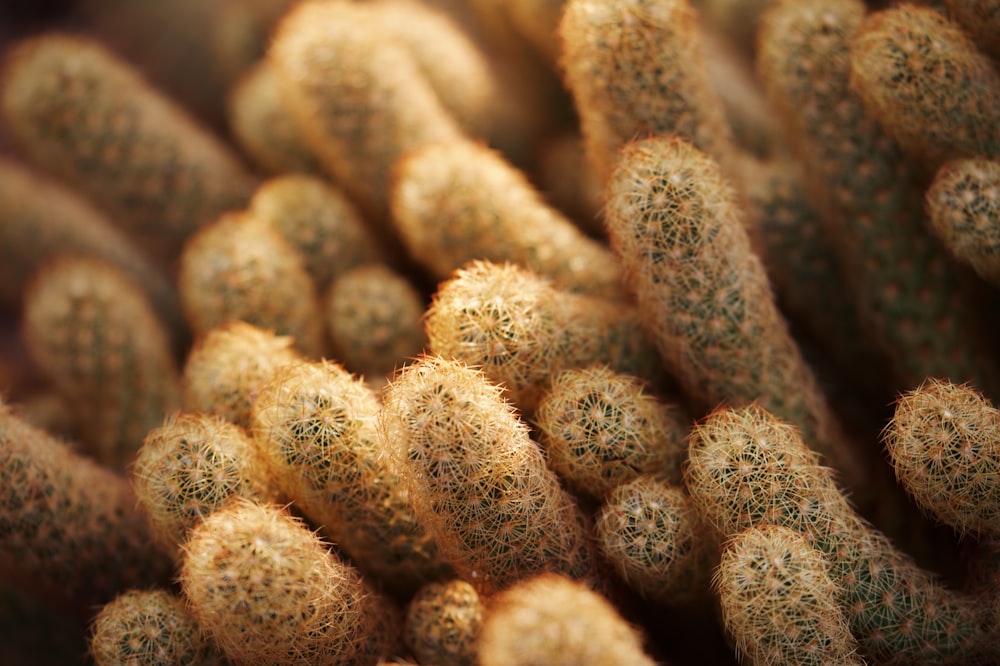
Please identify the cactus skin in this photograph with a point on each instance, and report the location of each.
(927, 84)
(550, 619)
(96, 335)
(69, 529)
(778, 601)
(746, 469)
(229, 365)
(963, 204)
(241, 268)
(82, 114)
(704, 294)
(267, 590)
(600, 429)
(35, 635)
(192, 465)
(149, 628)
(457, 202)
(569, 183)
(477, 481)
(980, 19)
(442, 624)
(316, 426)
(657, 542)
(944, 444)
(319, 221)
(522, 330)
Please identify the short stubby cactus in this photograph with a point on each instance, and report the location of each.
(477, 481)
(460, 201)
(96, 335)
(963, 205)
(267, 590)
(779, 602)
(442, 623)
(551, 619)
(192, 465)
(601, 429)
(149, 628)
(657, 542)
(241, 268)
(82, 114)
(944, 443)
(928, 85)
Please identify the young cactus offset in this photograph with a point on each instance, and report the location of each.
(443, 622)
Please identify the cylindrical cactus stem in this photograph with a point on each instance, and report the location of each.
(477, 481)
(636, 68)
(317, 427)
(657, 542)
(779, 603)
(192, 465)
(70, 530)
(537, 21)
(944, 443)
(460, 201)
(263, 126)
(267, 590)
(963, 205)
(746, 469)
(704, 294)
(521, 330)
(600, 429)
(980, 19)
(84, 115)
(551, 619)
(95, 333)
(241, 268)
(229, 365)
(148, 628)
(568, 182)
(320, 221)
(360, 97)
(374, 319)
(442, 623)
(929, 87)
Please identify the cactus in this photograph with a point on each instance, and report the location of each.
(477, 481)
(240, 268)
(944, 444)
(963, 204)
(456, 202)
(316, 426)
(374, 318)
(96, 335)
(192, 465)
(924, 80)
(656, 541)
(600, 429)
(443, 622)
(84, 115)
(267, 590)
(778, 601)
(553, 620)
(148, 628)
(35, 635)
(229, 365)
(980, 19)
(568, 183)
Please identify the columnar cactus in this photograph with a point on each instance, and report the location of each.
(442, 623)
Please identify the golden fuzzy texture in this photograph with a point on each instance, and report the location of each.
(241, 268)
(96, 335)
(268, 591)
(192, 465)
(80, 113)
(460, 201)
(779, 602)
(537, 21)
(476, 479)
(149, 628)
(316, 426)
(600, 429)
(229, 365)
(980, 19)
(550, 619)
(944, 444)
(443, 622)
